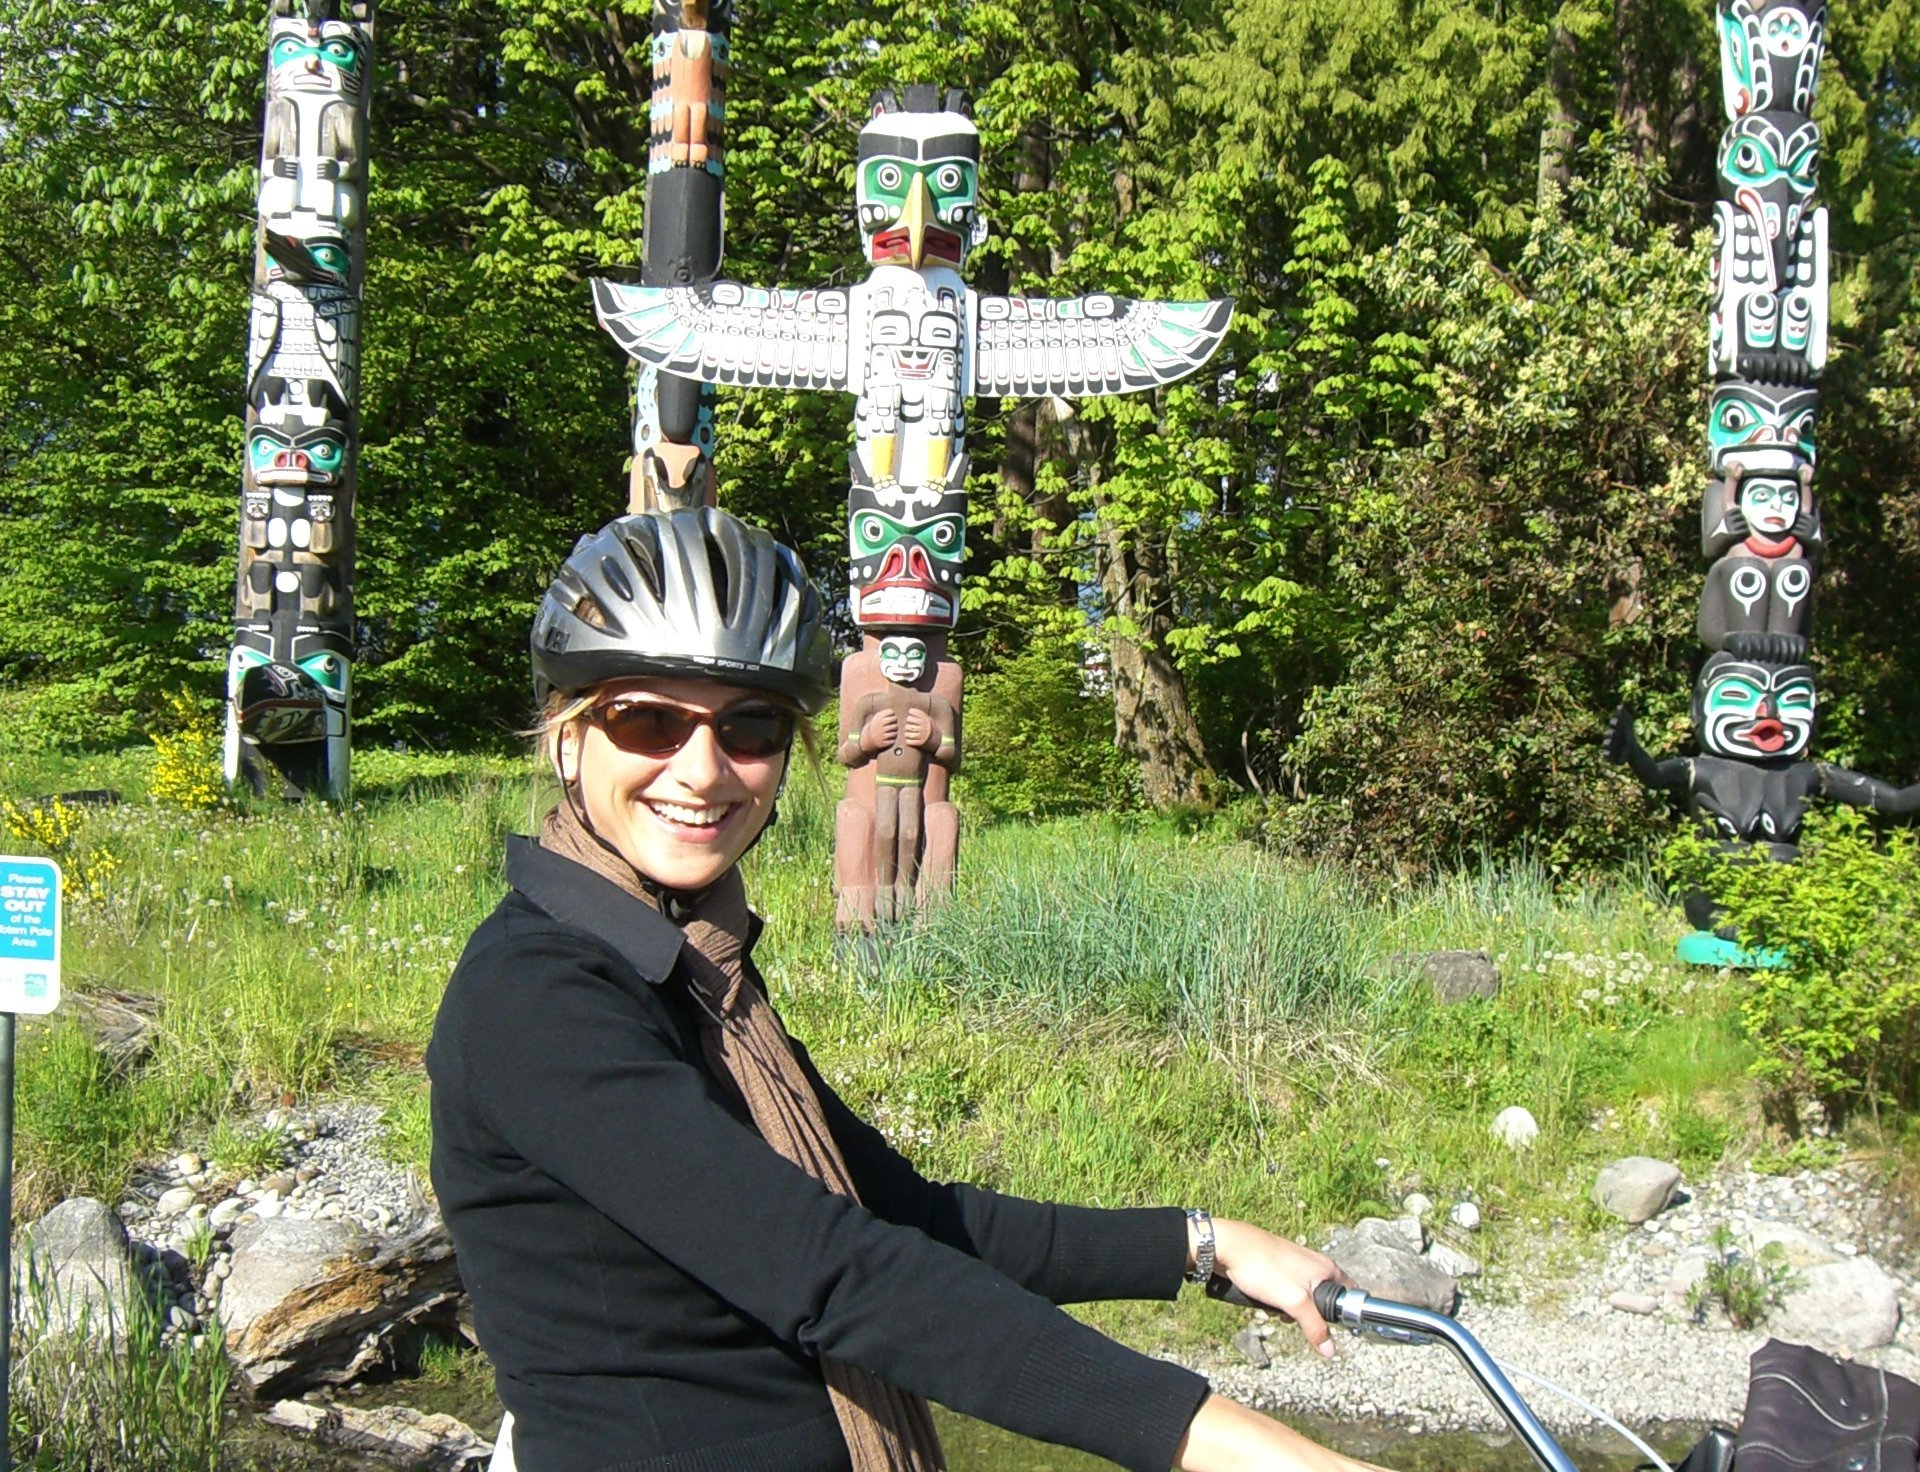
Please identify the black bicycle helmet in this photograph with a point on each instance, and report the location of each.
(684, 592)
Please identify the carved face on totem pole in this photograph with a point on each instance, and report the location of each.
(1770, 54)
(917, 186)
(905, 551)
(903, 659)
(1763, 428)
(1754, 700)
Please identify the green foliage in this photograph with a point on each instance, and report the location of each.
(1518, 567)
(1745, 1284)
(1039, 744)
(1839, 1022)
(153, 1402)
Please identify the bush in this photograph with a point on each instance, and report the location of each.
(1037, 743)
(187, 762)
(1839, 1022)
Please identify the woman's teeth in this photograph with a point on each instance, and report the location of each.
(688, 817)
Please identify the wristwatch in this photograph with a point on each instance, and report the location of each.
(1202, 1223)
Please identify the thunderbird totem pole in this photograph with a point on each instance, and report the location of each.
(290, 670)
(1754, 699)
(912, 343)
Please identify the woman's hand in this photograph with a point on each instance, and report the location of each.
(1276, 1272)
(1227, 1437)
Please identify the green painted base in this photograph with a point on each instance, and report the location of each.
(1704, 948)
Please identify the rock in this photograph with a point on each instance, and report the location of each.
(400, 1433)
(1252, 1348)
(1634, 1303)
(174, 1200)
(1515, 1127)
(1798, 1247)
(1465, 1215)
(188, 1164)
(76, 1272)
(1404, 1234)
(1391, 1273)
(1417, 1205)
(226, 1213)
(1848, 1305)
(1452, 1261)
(281, 1181)
(1635, 1188)
(1461, 976)
(313, 1302)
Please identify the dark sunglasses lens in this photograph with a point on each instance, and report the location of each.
(754, 730)
(647, 730)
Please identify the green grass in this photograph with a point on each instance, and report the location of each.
(1109, 1011)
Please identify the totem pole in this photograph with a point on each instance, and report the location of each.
(1754, 700)
(289, 674)
(686, 169)
(913, 343)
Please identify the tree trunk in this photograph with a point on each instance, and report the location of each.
(1558, 132)
(1637, 83)
(1151, 718)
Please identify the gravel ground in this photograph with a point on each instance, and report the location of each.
(1657, 1364)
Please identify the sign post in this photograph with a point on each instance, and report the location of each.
(30, 983)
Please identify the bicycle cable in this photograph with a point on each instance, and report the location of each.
(1592, 1410)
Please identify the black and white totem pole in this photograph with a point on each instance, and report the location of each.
(290, 672)
(1754, 700)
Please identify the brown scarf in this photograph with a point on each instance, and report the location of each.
(887, 1429)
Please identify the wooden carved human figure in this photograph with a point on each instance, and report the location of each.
(897, 835)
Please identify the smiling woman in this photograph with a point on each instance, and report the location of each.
(685, 1253)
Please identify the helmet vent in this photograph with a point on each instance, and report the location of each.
(616, 579)
(588, 611)
(722, 584)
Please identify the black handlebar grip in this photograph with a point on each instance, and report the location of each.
(1223, 1289)
(1326, 1298)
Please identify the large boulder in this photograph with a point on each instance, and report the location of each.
(76, 1271)
(1388, 1272)
(1849, 1305)
(1635, 1188)
(1405, 1233)
(1456, 976)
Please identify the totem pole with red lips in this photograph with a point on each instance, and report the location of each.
(1754, 701)
(913, 343)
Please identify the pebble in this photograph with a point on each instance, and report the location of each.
(1417, 1204)
(174, 1200)
(1465, 1215)
(1634, 1303)
(187, 1164)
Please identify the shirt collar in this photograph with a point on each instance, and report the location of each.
(577, 896)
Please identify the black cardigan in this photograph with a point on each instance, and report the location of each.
(654, 1283)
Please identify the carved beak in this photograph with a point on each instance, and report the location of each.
(914, 218)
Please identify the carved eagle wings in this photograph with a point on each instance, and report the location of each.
(1018, 347)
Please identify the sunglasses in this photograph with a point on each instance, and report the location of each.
(752, 730)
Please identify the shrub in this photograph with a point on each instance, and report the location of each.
(187, 762)
(1839, 1021)
(54, 827)
(1038, 743)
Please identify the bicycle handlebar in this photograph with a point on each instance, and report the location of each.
(1402, 1323)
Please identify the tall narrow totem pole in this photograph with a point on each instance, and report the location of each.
(290, 672)
(683, 223)
(912, 343)
(1754, 700)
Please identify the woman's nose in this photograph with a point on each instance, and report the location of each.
(699, 764)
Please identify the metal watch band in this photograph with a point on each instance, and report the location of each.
(1202, 1270)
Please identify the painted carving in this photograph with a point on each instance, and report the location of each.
(673, 438)
(898, 836)
(912, 343)
(1754, 701)
(290, 672)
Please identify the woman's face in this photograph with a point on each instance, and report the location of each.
(681, 820)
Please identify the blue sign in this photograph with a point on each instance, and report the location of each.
(29, 935)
